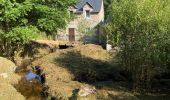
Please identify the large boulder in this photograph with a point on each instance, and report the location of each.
(8, 78)
(6, 66)
(8, 92)
(7, 71)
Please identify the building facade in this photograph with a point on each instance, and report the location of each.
(88, 15)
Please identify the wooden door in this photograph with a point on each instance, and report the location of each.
(71, 34)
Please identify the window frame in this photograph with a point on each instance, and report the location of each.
(87, 14)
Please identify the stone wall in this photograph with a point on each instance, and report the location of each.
(95, 19)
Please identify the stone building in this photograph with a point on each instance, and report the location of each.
(88, 15)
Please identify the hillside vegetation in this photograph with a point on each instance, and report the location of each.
(141, 28)
(71, 70)
(83, 66)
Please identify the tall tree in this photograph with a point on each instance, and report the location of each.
(142, 29)
(21, 20)
(50, 15)
(107, 4)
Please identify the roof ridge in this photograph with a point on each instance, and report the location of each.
(95, 4)
(89, 4)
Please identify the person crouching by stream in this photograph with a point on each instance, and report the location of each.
(30, 76)
(38, 70)
(41, 74)
(43, 78)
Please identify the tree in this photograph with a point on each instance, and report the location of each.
(50, 15)
(13, 41)
(21, 20)
(13, 29)
(106, 7)
(142, 28)
(85, 30)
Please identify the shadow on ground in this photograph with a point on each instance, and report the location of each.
(89, 70)
(103, 75)
(153, 97)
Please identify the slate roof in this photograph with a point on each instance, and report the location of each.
(95, 4)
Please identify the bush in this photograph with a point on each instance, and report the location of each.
(141, 28)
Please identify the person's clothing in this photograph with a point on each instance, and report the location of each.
(30, 75)
(38, 71)
(43, 79)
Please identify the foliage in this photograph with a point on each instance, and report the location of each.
(109, 37)
(14, 32)
(85, 31)
(51, 15)
(84, 28)
(21, 20)
(13, 40)
(142, 29)
(107, 4)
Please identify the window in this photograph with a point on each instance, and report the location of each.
(87, 14)
(72, 15)
(71, 12)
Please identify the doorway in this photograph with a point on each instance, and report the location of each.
(71, 34)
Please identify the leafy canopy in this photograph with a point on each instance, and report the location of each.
(141, 28)
(22, 20)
